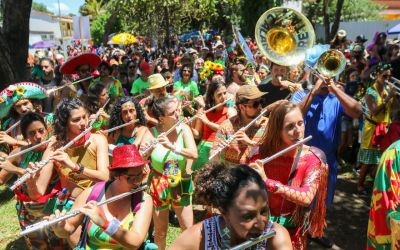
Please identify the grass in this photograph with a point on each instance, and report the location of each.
(9, 225)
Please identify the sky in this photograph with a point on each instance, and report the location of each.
(66, 6)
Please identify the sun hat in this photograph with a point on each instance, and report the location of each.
(156, 81)
(18, 91)
(71, 65)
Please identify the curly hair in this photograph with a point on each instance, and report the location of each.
(62, 114)
(218, 184)
(94, 93)
(116, 116)
(27, 120)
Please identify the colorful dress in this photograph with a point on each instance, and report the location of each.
(32, 211)
(385, 199)
(213, 236)
(296, 204)
(370, 154)
(206, 143)
(168, 186)
(237, 153)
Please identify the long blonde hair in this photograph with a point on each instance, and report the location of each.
(272, 141)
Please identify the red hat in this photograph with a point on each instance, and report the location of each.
(126, 156)
(89, 58)
(145, 67)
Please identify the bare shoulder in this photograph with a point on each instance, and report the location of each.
(281, 240)
(191, 238)
(98, 138)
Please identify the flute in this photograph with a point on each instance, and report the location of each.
(254, 241)
(208, 110)
(155, 141)
(120, 126)
(232, 138)
(284, 151)
(12, 127)
(25, 150)
(46, 223)
(51, 91)
(39, 165)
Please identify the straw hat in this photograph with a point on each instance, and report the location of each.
(156, 81)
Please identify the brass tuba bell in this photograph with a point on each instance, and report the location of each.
(331, 63)
(284, 35)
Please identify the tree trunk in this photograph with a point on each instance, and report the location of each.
(167, 26)
(336, 21)
(108, 28)
(325, 11)
(14, 41)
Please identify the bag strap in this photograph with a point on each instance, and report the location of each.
(96, 194)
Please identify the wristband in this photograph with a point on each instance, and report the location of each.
(80, 169)
(105, 225)
(112, 227)
(178, 150)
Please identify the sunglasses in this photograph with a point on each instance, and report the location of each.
(254, 105)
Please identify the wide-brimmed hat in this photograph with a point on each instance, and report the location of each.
(71, 65)
(341, 33)
(156, 81)
(127, 156)
(249, 92)
(18, 91)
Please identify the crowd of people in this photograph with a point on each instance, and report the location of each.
(195, 124)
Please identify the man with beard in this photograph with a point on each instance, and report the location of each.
(237, 79)
(241, 150)
(277, 88)
(48, 81)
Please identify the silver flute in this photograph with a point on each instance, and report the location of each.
(155, 141)
(284, 151)
(12, 127)
(53, 90)
(46, 223)
(232, 138)
(24, 151)
(39, 165)
(208, 110)
(120, 126)
(254, 241)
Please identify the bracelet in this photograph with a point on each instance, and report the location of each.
(76, 168)
(80, 169)
(113, 226)
(105, 225)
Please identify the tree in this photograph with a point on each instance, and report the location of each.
(93, 8)
(41, 7)
(14, 41)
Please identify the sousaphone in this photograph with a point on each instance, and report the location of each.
(284, 35)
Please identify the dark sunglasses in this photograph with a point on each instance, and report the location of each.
(254, 105)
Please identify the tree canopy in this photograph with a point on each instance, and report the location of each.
(40, 7)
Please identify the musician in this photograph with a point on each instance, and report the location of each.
(118, 225)
(127, 109)
(113, 85)
(278, 88)
(295, 179)
(379, 102)
(81, 165)
(83, 65)
(240, 195)
(207, 124)
(248, 105)
(31, 205)
(15, 101)
(98, 97)
(170, 183)
(384, 203)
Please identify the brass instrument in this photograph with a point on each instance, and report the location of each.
(284, 35)
(331, 63)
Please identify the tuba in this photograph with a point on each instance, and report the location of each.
(284, 35)
(331, 63)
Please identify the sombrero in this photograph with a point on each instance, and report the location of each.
(18, 91)
(89, 58)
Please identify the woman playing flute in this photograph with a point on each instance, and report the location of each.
(126, 109)
(240, 195)
(170, 182)
(295, 180)
(207, 124)
(84, 163)
(118, 225)
(31, 205)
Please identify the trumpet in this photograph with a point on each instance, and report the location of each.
(46, 223)
(155, 141)
(231, 139)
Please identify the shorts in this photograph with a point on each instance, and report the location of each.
(165, 196)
